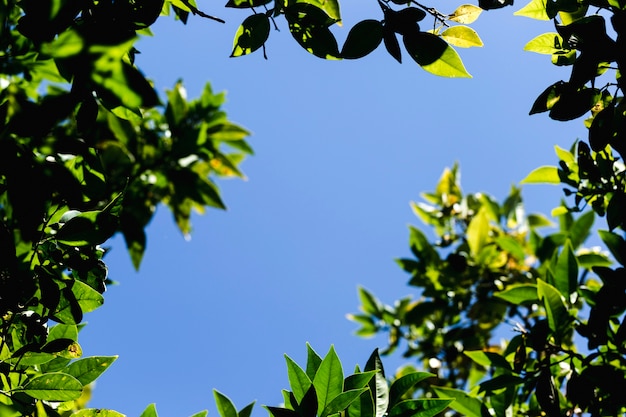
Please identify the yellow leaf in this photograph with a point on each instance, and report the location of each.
(536, 9)
(448, 65)
(462, 36)
(466, 13)
(543, 175)
(547, 44)
(478, 232)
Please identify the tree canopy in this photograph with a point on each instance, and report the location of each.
(90, 149)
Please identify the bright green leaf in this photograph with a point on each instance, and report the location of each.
(150, 411)
(547, 44)
(328, 379)
(298, 379)
(536, 9)
(55, 386)
(519, 294)
(463, 403)
(543, 175)
(225, 406)
(477, 233)
(554, 303)
(87, 370)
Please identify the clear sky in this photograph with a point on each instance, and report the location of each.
(341, 150)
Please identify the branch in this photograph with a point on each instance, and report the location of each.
(198, 12)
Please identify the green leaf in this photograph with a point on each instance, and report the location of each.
(68, 43)
(488, 359)
(55, 386)
(463, 403)
(298, 379)
(313, 362)
(519, 294)
(247, 410)
(465, 14)
(378, 385)
(536, 9)
(251, 34)
(403, 384)
(615, 243)
(96, 412)
(87, 229)
(566, 271)
(512, 246)
(539, 220)
(246, 4)
(434, 55)
(330, 7)
(225, 406)
(342, 401)
(462, 36)
(150, 411)
(202, 413)
(328, 379)
(579, 231)
(87, 370)
(548, 98)
(420, 408)
(477, 233)
(369, 303)
(363, 406)
(543, 175)
(363, 38)
(358, 380)
(556, 310)
(547, 44)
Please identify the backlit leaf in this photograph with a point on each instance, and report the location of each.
(434, 55)
(328, 379)
(547, 44)
(420, 408)
(466, 14)
(225, 406)
(478, 232)
(556, 310)
(536, 9)
(403, 384)
(462, 36)
(519, 294)
(543, 175)
(463, 403)
(298, 379)
(251, 34)
(87, 370)
(55, 386)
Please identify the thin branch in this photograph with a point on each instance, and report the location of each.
(198, 12)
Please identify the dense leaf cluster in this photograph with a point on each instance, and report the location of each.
(489, 268)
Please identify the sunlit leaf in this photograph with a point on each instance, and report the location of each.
(463, 403)
(519, 294)
(536, 9)
(378, 385)
(554, 303)
(251, 34)
(542, 175)
(465, 14)
(225, 406)
(477, 233)
(462, 36)
(87, 370)
(298, 379)
(97, 412)
(434, 55)
(547, 44)
(55, 386)
(150, 411)
(328, 379)
(420, 408)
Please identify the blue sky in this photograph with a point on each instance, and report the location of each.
(341, 150)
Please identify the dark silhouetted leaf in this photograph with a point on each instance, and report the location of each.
(251, 35)
(363, 38)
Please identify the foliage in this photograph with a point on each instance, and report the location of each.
(89, 149)
(489, 268)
